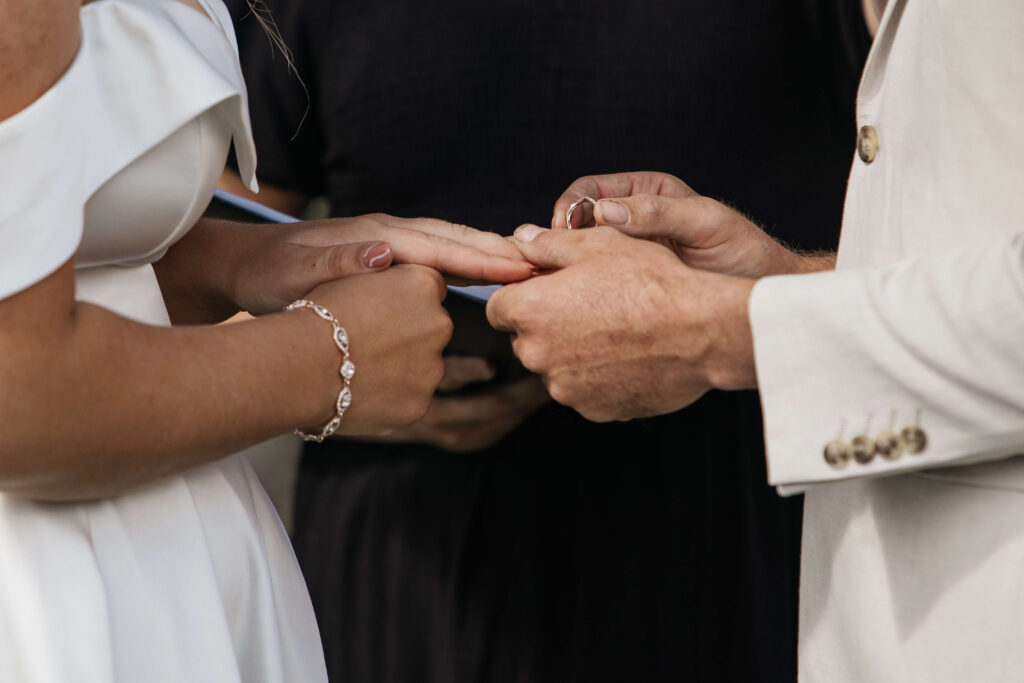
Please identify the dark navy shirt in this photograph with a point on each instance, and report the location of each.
(649, 551)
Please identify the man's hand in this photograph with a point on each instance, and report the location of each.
(702, 232)
(624, 329)
(615, 185)
(466, 423)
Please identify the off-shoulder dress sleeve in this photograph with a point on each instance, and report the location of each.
(43, 181)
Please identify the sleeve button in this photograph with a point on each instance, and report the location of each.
(863, 449)
(837, 454)
(914, 439)
(888, 445)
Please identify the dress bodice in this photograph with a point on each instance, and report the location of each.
(189, 578)
(126, 221)
(133, 137)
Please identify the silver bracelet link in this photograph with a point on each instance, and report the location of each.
(347, 370)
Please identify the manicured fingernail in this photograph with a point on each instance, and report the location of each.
(376, 255)
(613, 213)
(526, 233)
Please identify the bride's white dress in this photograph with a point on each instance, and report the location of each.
(191, 578)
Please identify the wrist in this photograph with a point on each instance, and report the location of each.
(728, 363)
(316, 348)
(339, 336)
(794, 262)
(817, 261)
(195, 275)
(776, 258)
(227, 249)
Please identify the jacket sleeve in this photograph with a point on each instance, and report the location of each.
(929, 351)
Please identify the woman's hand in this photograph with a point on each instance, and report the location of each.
(398, 329)
(222, 267)
(457, 251)
(702, 232)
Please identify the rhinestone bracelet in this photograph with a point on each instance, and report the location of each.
(348, 369)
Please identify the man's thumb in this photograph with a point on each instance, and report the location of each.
(546, 248)
(649, 216)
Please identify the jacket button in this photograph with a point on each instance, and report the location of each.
(838, 453)
(914, 439)
(863, 449)
(867, 144)
(888, 445)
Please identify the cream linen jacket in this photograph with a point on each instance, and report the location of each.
(916, 577)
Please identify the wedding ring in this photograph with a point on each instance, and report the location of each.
(573, 207)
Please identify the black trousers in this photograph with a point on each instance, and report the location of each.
(646, 551)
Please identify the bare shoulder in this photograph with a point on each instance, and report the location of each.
(38, 43)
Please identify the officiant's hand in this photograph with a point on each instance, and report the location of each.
(700, 231)
(467, 423)
(473, 422)
(623, 328)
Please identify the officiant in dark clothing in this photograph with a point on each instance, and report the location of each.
(566, 551)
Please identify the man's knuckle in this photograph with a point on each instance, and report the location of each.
(516, 312)
(603, 239)
(561, 392)
(602, 233)
(578, 186)
(648, 206)
(531, 356)
(708, 207)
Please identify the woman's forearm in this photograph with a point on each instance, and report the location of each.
(194, 274)
(93, 403)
